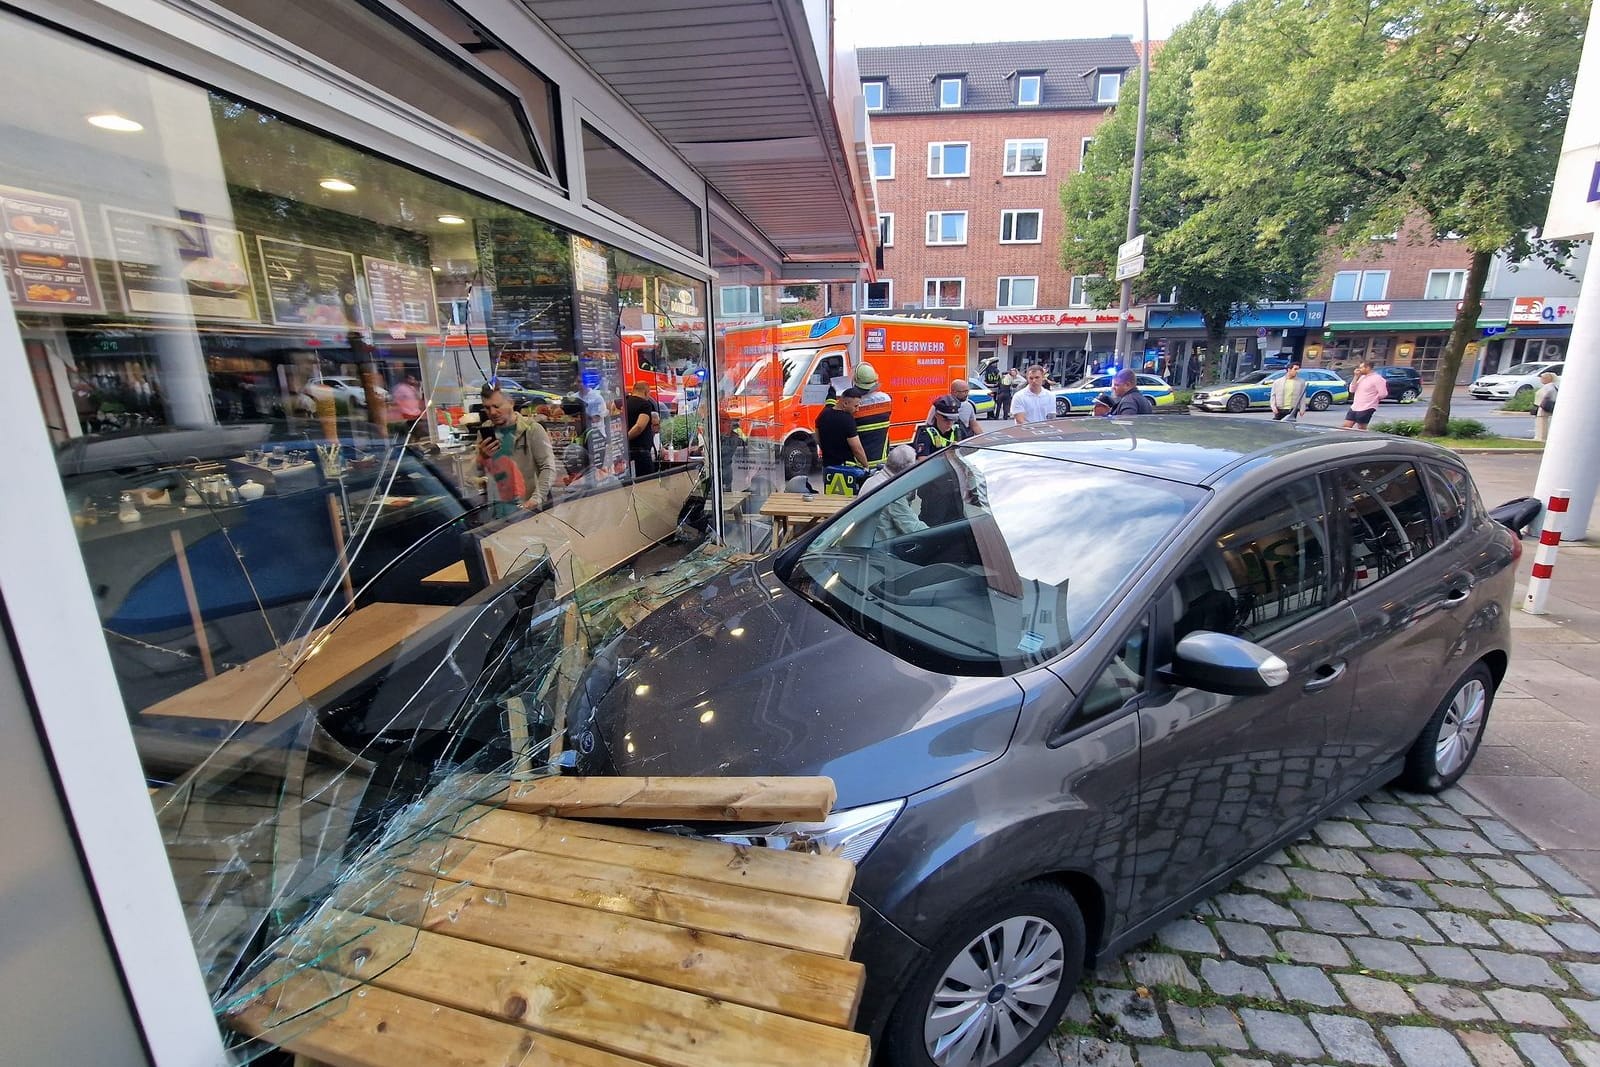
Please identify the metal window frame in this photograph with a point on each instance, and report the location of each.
(1013, 279)
(939, 147)
(1038, 85)
(1099, 82)
(883, 93)
(873, 158)
(886, 232)
(961, 91)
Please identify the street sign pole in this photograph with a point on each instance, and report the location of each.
(1126, 300)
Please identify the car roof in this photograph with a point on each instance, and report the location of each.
(1187, 448)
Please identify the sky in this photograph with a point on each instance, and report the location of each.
(865, 23)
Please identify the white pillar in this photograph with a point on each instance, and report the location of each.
(1572, 454)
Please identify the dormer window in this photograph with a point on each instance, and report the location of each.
(951, 91)
(873, 91)
(1030, 90)
(1108, 86)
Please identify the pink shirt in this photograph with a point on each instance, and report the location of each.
(1369, 392)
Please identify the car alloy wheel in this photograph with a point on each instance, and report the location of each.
(1238, 402)
(1409, 396)
(997, 985)
(1449, 741)
(1063, 406)
(1321, 401)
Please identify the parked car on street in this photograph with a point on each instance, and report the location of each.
(1324, 388)
(1112, 665)
(521, 395)
(348, 389)
(1079, 399)
(982, 400)
(1522, 378)
(1405, 383)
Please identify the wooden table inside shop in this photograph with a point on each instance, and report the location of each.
(793, 512)
(525, 936)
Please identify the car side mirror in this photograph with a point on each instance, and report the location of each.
(1222, 663)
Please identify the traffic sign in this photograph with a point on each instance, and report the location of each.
(1130, 250)
(1131, 268)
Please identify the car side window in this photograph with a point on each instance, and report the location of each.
(828, 368)
(1122, 679)
(1452, 497)
(1266, 569)
(1386, 512)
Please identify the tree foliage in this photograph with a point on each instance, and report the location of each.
(1350, 117)
(1205, 246)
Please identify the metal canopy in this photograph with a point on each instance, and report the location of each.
(738, 88)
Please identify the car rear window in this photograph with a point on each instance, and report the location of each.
(984, 562)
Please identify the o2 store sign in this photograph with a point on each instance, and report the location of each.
(1543, 311)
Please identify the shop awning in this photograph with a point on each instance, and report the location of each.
(741, 89)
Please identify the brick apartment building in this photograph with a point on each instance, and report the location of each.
(971, 145)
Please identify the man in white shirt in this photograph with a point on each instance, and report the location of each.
(961, 389)
(1035, 403)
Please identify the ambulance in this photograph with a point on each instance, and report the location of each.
(782, 374)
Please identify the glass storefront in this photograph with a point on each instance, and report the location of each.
(331, 568)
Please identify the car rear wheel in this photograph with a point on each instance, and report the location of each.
(995, 987)
(1063, 406)
(1445, 748)
(1408, 396)
(798, 457)
(1321, 401)
(1524, 390)
(1238, 402)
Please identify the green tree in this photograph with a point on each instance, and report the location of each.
(1205, 246)
(1347, 118)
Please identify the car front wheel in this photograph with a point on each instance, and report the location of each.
(1445, 748)
(1409, 396)
(1321, 401)
(1238, 402)
(995, 987)
(1524, 390)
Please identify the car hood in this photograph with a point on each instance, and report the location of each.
(1502, 379)
(743, 677)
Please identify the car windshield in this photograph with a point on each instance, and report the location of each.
(1525, 368)
(984, 562)
(1258, 377)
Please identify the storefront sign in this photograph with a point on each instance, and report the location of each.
(400, 296)
(182, 266)
(1543, 310)
(1377, 311)
(1069, 319)
(45, 254)
(309, 285)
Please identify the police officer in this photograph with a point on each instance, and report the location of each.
(942, 429)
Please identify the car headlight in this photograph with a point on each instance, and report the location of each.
(850, 833)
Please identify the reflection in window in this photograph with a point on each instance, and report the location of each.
(1386, 512)
(982, 561)
(614, 179)
(1120, 681)
(1452, 496)
(1266, 570)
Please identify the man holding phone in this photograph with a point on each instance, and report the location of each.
(515, 455)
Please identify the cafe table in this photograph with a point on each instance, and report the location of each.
(793, 512)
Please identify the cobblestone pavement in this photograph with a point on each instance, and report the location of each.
(1406, 930)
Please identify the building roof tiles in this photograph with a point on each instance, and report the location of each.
(1068, 67)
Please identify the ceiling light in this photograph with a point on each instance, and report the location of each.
(452, 220)
(337, 185)
(114, 122)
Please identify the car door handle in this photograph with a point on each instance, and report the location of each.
(1457, 596)
(1326, 675)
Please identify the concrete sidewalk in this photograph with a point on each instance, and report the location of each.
(1539, 767)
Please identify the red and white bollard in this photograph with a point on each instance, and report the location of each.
(1544, 557)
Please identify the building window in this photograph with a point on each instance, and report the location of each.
(740, 299)
(1445, 285)
(1018, 293)
(1083, 152)
(886, 228)
(1108, 87)
(883, 161)
(944, 293)
(1360, 285)
(873, 91)
(1029, 90)
(1025, 156)
(947, 159)
(1020, 227)
(880, 295)
(1079, 295)
(947, 227)
(1425, 357)
(950, 92)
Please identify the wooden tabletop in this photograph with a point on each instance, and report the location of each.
(271, 685)
(512, 937)
(804, 507)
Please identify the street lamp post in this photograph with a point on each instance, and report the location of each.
(1123, 331)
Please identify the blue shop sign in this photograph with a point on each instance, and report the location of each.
(1281, 317)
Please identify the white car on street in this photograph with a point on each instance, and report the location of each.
(1523, 378)
(348, 389)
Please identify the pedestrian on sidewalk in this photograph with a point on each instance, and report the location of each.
(1367, 390)
(1126, 399)
(1035, 403)
(1544, 405)
(1289, 395)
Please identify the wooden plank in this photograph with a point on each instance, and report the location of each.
(620, 1016)
(738, 911)
(453, 574)
(375, 1027)
(801, 984)
(192, 599)
(795, 873)
(703, 799)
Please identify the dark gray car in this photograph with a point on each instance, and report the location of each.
(1071, 677)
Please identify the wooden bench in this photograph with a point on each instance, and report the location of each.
(528, 937)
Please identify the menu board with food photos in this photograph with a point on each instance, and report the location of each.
(400, 296)
(310, 285)
(528, 268)
(180, 266)
(46, 253)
